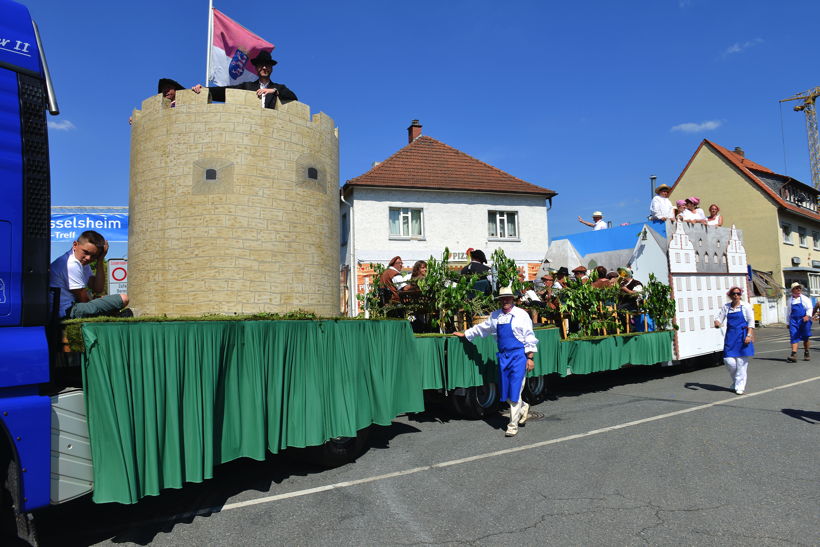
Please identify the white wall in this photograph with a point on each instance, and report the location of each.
(457, 220)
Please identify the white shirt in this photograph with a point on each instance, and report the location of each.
(600, 225)
(660, 207)
(262, 97)
(521, 327)
(727, 308)
(399, 280)
(693, 215)
(67, 274)
(713, 222)
(802, 298)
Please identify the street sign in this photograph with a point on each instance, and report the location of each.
(117, 276)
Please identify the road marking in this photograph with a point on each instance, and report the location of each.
(450, 463)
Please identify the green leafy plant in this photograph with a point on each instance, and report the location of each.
(659, 304)
(505, 270)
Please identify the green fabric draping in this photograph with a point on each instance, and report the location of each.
(611, 353)
(430, 352)
(166, 402)
(471, 363)
(547, 357)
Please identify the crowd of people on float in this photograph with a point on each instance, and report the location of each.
(661, 208)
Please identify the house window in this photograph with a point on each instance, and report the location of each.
(787, 233)
(210, 174)
(406, 222)
(816, 238)
(502, 224)
(801, 235)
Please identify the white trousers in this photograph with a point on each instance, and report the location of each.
(516, 408)
(737, 371)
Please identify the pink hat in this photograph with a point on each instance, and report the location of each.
(694, 200)
(680, 202)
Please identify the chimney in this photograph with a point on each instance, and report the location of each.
(414, 131)
(739, 152)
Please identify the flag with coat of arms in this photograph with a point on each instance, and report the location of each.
(231, 50)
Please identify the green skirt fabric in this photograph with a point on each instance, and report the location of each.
(611, 353)
(166, 402)
(430, 355)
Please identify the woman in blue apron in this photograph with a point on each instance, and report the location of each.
(512, 328)
(798, 308)
(738, 343)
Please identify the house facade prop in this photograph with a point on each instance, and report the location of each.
(779, 215)
(428, 196)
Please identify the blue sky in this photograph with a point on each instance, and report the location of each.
(587, 99)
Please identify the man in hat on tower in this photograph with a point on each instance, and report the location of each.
(512, 328)
(660, 208)
(266, 90)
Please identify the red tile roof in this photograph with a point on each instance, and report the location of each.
(744, 165)
(427, 163)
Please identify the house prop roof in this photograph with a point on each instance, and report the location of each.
(427, 163)
(762, 177)
(618, 237)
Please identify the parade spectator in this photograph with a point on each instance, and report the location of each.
(597, 221)
(561, 278)
(419, 270)
(601, 281)
(266, 90)
(391, 280)
(680, 205)
(512, 328)
(690, 213)
(72, 275)
(799, 309)
(738, 343)
(714, 218)
(698, 211)
(168, 89)
(580, 274)
(478, 266)
(661, 208)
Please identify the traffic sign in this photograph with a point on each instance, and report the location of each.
(117, 276)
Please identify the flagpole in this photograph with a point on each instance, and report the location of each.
(210, 40)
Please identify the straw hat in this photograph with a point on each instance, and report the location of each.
(505, 291)
(661, 188)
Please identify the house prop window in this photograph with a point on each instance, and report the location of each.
(502, 224)
(406, 222)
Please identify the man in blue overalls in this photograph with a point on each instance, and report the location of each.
(798, 308)
(517, 344)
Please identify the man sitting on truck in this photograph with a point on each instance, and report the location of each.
(72, 275)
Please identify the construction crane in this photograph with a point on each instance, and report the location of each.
(808, 108)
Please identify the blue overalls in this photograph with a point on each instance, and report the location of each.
(736, 330)
(512, 363)
(799, 330)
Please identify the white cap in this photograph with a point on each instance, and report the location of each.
(598, 214)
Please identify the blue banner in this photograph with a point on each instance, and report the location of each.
(68, 227)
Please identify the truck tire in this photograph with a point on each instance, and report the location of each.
(334, 452)
(535, 390)
(15, 526)
(476, 402)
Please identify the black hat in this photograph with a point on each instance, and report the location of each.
(263, 59)
(562, 270)
(478, 256)
(168, 83)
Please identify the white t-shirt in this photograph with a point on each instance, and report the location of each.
(660, 208)
(713, 222)
(600, 225)
(67, 274)
(693, 215)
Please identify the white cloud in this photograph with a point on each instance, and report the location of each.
(739, 47)
(62, 125)
(690, 127)
(684, 3)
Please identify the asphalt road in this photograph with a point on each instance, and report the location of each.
(647, 455)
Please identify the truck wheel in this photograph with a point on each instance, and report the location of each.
(334, 452)
(477, 401)
(535, 390)
(14, 523)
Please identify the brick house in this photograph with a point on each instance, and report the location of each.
(428, 196)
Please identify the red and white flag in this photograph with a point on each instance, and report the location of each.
(232, 48)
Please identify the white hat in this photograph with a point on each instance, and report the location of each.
(796, 285)
(505, 291)
(598, 214)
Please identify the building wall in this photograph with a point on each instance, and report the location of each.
(806, 252)
(260, 237)
(715, 180)
(456, 220)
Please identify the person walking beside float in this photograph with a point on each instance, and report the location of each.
(738, 344)
(799, 310)
(512, 328)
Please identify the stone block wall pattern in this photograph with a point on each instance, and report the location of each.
(233, 207)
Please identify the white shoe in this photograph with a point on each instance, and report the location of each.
(512, 431)
(739, 391)
(525, 413)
